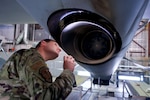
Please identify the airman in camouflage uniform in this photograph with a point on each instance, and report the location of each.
(25, 76)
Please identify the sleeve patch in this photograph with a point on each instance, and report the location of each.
(46, 75)
(36, 66)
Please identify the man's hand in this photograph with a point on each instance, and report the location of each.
(69, 63)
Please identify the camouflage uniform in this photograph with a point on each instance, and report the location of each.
(25, 76)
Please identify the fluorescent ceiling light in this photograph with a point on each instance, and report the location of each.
(134, 78)
(83, 73)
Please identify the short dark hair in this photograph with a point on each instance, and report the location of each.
(46, 40)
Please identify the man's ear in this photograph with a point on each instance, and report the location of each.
(43, 43)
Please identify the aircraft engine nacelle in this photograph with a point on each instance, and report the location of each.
(88, 37)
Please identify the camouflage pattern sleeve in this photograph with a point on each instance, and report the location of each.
(41, 87)
(63, 84)
(60, 88)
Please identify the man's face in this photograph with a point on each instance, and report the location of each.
(52, 49)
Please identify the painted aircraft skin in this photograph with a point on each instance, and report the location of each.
(124, 15)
